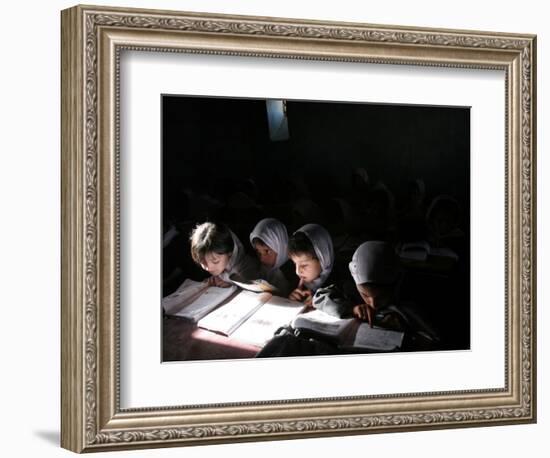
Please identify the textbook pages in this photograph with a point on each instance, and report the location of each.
(349, 332)
(193, 300)
(324, 324)
(252, 317)
(257, 286)
(377, 339)
(244, 315)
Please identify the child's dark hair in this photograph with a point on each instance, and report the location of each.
(299, 243)
(210, 237)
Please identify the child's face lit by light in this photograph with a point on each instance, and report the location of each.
(307, 267)
(267, 256)
(215, 263)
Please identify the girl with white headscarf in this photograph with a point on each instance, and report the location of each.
(219, 251)
(270, 241)
(311, 250)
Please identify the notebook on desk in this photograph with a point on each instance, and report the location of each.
(348, 333)
(251, 317)
(193, 300)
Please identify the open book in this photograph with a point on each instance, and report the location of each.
(377, 339)
(348, 332)
(323, 324)
(193, 300)
(258, 286)
(251, 317)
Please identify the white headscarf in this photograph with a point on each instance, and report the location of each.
(239, 262)
(322, 244)
(273, 233)
(374, 262)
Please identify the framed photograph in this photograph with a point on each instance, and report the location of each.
(294, 162)
(277, 228)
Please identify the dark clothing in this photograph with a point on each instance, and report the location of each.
(331, 300)
(289, 344)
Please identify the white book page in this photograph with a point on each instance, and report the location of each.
(207, 301)
(257, 286)
(322, 323)
(186, 293)
(377, 338)
(261, 326)
(229, 316)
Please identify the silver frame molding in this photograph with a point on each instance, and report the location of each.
(92, 39)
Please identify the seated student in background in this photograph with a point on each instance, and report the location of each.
(443, 221)
(270, 241)
(411, 222)
(218, 251)
(379, 219)
(376, 272)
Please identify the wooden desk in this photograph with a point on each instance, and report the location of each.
(184, 341)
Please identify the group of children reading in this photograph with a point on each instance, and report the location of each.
(374, 267)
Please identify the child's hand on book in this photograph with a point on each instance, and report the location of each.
(301, 295)
(217, 281)
(364, 312)
(309, 304)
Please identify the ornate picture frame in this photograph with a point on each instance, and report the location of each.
(93, 39)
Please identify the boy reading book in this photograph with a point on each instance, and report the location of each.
(375, 270)
(311, 250)
(218, 251)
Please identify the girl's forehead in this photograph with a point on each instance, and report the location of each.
(301, 257)
(370, 290)
(213, 255)
(261, 246)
